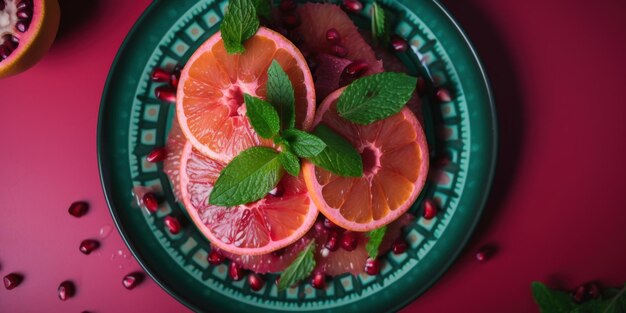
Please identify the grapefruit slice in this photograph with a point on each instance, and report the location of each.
(171, 165)
(27, 30)
(269, 224)
(209, 102)
(395, 167)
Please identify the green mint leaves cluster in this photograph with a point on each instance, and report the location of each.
(241, 21)
(299, 269)
(554, 301)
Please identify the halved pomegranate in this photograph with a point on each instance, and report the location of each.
(27, 30)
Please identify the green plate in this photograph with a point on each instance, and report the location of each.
(132, 122)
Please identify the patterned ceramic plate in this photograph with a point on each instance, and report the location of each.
(132, 122)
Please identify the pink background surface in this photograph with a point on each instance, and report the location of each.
(556, 211)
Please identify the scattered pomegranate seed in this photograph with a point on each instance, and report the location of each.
(66, 290)
(332, 243)
(339, 51)
(333, 36)
(430, 209)
(579, 294)
(235, 271)
(150, 201)
(23, 13)
(215, 258)
(165, 93)
(175, 77)
(593, 290)
(255, 282)
(398, 44)
(78, 208)
(329, 224)
(277, 281)
(353, 6)
(131, 280)
(356, 68)
(287, 5)
(372, 266)
(88, 245)
(399, 246)
(484, 253)
(318, 281)
(320, 229)
(172, 224)
(22, 26)
(348, 241)
(291, 20)
(157, 155)
(22, 4)
(12, 280)
(444, 95)
(160, 75)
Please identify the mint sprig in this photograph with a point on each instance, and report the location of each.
(240, 23)
(248, 177)
(280, 93)
(339, 156)
(375, 97)
(379, 24)
(303, 144)
(299, 269)
(262, 115)
(554, 301)
(375, 239)
(290, 162)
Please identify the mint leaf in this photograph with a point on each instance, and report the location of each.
(248, 177)
(290, 162)
(240, 23)
(262, 115)
(339, 156)
(551, 301)
(303, 144)
(299, 269)
(616, 302)
(280, 94)
(375, 97)
(380, 29)
(375, 239)
(263, 8)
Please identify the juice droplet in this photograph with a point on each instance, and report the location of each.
(120, 252)
(105, 231)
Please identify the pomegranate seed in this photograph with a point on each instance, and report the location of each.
(174, 78)
(291, 20)
(66, 290)
(484, 253)
(160, 75)
(318, 281)
(131, 280)
(593, 290)
(579, 294)
(22, 4)
(277, 281)
(12, 280)
(235, 271)
(172, 224)
(215, 258)
(398, 44)
(348, 241)
(10, 41)
(2, 5)
(165, 93)
(88, 245)
(22, 26)
(78, 208)
(320, 229)
(329, 224)
(339, 51)
(4, 51)
(150, 201)
(353, 6)
(443, 95)
(23, 13)
(333, 36)
(255, 282)
(356, 68)
(399, 246)
(157, 155)
(332, 243)
(421, 86)
(372, 266)
(430, 210)
(287, 5)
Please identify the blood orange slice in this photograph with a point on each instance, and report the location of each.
(171, 165)
(276, 221)
(395, 166)
(209, 102)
